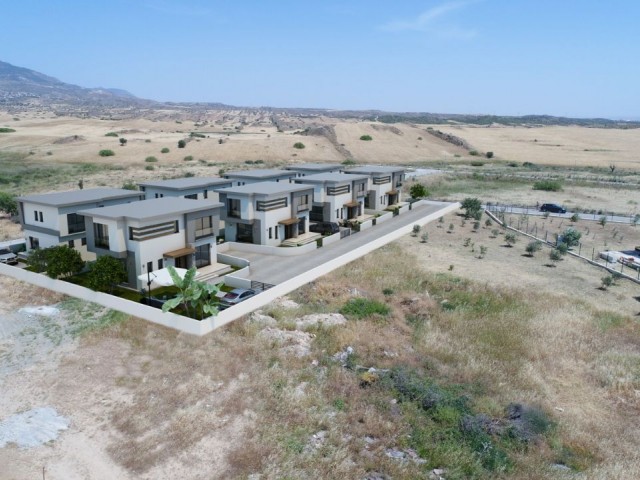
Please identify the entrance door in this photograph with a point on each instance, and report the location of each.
(302, 224)
(245, 233)
(203, 255)
(182, 262)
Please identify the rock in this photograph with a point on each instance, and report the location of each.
(260, 318)
(376, 476)
(285, 302)
(292, 342)
(343, 356)
(324, 319)
(316, 440)
(437, 474)
(560, 467)
(395, 454)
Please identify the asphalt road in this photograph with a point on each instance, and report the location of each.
(274, 270)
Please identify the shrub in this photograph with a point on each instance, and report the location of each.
(349, 161)
(607, 282)
(603, 221)
(574, 218)
(366, 138)
(415, 231)
(548, 185)
(188, 158)
(418, 190)
(111, 134)
(489, 154)
(424, 238)
(472, 208)
(562, 248)
(555, 256)
(510, 239)
(197, 135)
(364, 307)
(149, 167)
(147, 140)
(123, 142)
(129, 185)
(165, 150)
(63, 261)
(477, 164)
(533, 247)
(8, 203)
(473, 153)
(6, 130)
(298, 145)
(105, 273)
(151, 159)
(571, 237)
(106, 153)
(182, 144)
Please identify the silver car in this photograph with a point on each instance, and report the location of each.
(236, 296)
(8, 257)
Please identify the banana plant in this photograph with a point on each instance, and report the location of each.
(198, 295)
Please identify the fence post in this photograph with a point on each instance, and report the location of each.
(579, 248)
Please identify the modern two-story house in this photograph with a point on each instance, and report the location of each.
(156, 233)
(51, 219)
(337, 196)
(194, 188)
(384, 185)
(304, 169)
(266, 213)
(246, 177)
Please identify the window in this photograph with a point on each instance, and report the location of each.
(70, 243)
(302, 203)
(381, 180)
(204, 227)
(337, 213)
(101, 235)
(205, 194)
(382, 200)
(159, 195)
(75, 223)
(233, 208)
(148, 232)
(338, 190)
(40, 215)
(34, 243)
(360, 188)
(83, 241)
(149, 267)
(270, 233)
(160, 264)
(268, 205)
(35, 214)
(276, 229)
(193, 196)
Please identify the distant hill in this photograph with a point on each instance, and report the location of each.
(20, 85)
(22, 88)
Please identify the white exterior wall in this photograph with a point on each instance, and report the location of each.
(271, 219)
(50, 217)
(380, 191)
(44, 239)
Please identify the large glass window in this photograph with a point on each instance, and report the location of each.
(75, 223)
(302, 203)
(204, 227)
(101, 235)
(233, 208)
(203, 255)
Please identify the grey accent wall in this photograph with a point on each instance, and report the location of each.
(258, 232)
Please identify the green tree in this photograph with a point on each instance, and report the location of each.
(415, 231)
(123, 141)
(182, 144)
(472, 208)
(555, 256)
(37, 260)
(489, 154)
(574, 218)
(63, 261)
(603, 221)
(105, 273)
(8, 203)
(418, 190)
(606, 282)
(571, 237)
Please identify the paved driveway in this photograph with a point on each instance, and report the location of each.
(274, 270)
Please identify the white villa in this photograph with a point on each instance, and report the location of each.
(194, 188)
(337, 196)
(384, 186)
(304, 169)
(52, 219)
(266, 213)
(246, 177)
(152, 234)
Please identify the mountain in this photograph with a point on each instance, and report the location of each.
(25, 86)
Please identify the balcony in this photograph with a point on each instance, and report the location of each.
(204, 232)
(302, 208)
(233, 214)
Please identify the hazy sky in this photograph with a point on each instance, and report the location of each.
(512, 57)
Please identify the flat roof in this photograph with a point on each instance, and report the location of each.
(333, 177)
(152, 208)
(258, 173)
(186, 182)
(317, 167)
(266, 188)
(79, 197)
(374, 169)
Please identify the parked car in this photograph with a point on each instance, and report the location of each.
(325, 228)
(8, 257)
(236, 296)
(552, 207)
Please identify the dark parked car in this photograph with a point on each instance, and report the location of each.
(325, 228)
(552, 207)
(236, 296)
(8, 257)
